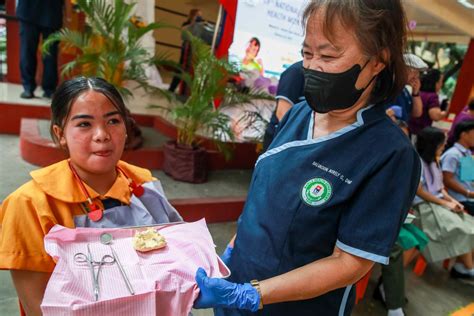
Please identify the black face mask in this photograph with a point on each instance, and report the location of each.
(326, 92)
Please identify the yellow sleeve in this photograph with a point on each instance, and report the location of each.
(22, 230)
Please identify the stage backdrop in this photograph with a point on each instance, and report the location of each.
(277, 26)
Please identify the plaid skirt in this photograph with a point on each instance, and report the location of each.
(450, 234)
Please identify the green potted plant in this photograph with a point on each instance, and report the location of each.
(110, 48)
(184, 158)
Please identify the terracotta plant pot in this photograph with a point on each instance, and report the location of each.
(185, 163)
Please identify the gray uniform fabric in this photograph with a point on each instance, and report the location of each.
(451, 234)
(150, 209)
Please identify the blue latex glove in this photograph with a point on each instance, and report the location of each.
(221, 293)
(226, 255)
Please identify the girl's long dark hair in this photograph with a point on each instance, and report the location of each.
(428, 142)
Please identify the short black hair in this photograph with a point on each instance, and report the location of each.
(429, 79)
(464, 126)
(428, 141)
(71, 89)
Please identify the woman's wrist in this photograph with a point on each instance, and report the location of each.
(468, 193)
(256, 286)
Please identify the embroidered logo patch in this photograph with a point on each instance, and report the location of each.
(316, 192)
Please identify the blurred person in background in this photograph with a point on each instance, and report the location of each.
(290, 92)
(38, 18)
(458, 165)
(466, 114)
(439, 215)
(194, 16)
(409, 100)
(431, 84)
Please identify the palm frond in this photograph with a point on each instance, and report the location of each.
(68, 68)
(70, 39)
(109, 47)
(247, 97)
(135, 33)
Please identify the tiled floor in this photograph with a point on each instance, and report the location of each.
(10, 93)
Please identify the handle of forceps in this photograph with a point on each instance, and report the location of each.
(122, 271)
(95, 281)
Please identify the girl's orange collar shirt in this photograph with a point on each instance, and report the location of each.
(53, 196)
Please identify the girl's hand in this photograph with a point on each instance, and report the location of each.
(459, 207)
(454, 206)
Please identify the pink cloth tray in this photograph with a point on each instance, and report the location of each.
(163, 279)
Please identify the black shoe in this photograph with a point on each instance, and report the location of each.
(27, 95)
(455, 274)
(47, 95)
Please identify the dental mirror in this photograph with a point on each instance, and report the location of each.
(106, 238)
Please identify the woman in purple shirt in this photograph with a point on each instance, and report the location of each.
(431, 83)
(465, 115)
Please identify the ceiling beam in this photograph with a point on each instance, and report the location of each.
(449, 12)
(439, 38)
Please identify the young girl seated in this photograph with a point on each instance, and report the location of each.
(92, 188)
(442, 218)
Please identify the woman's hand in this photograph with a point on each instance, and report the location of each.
(221, 293)
(415, 83)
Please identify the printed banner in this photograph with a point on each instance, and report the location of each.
(268, 35)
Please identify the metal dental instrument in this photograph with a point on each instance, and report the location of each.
(156, 225)
(82, 258)
(106, 239)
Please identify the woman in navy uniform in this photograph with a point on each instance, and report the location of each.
(328, 198)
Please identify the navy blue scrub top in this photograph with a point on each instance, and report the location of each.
(405, 101)
(291, 84)
(291, 89)
(351, 189)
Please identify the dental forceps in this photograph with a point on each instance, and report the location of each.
(82, 258)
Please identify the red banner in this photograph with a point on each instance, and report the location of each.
(230, 7)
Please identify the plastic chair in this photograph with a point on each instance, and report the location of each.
(361, 286)
(421, 264)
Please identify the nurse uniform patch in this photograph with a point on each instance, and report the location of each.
(316, 192)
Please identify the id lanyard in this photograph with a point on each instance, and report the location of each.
(96, 212)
